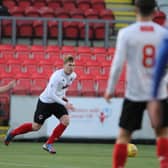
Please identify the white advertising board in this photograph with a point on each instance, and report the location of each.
(92, 118)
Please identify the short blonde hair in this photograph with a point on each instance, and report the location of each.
(68, 58)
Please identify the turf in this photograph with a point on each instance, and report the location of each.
(70, 155)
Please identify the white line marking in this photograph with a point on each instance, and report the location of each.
(21, 164)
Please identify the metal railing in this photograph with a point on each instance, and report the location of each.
(60, 27)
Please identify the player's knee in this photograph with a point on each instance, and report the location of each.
(36, 127)
(65, 120)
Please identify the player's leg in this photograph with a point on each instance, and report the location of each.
(120, 148)
(39, 118)
(63, 116)
(130, 120)
(161, 131)
(22, 129)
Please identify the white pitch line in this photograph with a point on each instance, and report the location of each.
(21, 164)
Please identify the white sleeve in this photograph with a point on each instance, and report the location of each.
(53, 86)
(117, 63)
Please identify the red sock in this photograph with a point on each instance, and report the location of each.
(119, 155)
(24, 128)
(56, 133)
(162, 152)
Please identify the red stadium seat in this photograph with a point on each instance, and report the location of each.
(54, 4)
(22, 48)
(7, 28)
(14, 66)
(61, 13)
(119, 89)
(22, 86)
(31, 12)
(38, 85)
(73, 90)
(9, 3)
(25, 28)
(53, 51)
(83, 4)
(87, 85)
(66, 50)
(39, 3)
(5, 47)
(98, 4)
(16, 11)
(82, 31)
(93, 67)
(111, 52)
(24, 3)
(99, 31)
(37, 48)
(99, 52)
(22, 51)
(58, 64)
(53, 29)
(38, 28)
(46, 12)
(107, 14)
(38, 52)
(91, 14)
(84, 51)
(101, 82)
(80, 67)
(71, 30)
(6, 51)
(77, 13)
(69, 4)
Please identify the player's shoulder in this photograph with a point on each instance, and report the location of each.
(57, 73)
(127, 31)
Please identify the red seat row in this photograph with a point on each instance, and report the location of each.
(84, 85)
(67, 4)
(73, 30)
(92, 67)
(40, 51)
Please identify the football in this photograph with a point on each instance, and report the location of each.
(132, 150)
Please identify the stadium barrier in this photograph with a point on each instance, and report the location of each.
(61, 21)
(92, 119)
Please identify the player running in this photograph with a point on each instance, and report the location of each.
(52, 101)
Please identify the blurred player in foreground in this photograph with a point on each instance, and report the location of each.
(155, 108)
(137, 44)
(52, 101)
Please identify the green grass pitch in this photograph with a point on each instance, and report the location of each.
(70, 155)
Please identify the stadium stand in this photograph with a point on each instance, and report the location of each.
(20, 61)
(46, 8)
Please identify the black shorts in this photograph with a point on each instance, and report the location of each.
(45, 110)
(132, 114)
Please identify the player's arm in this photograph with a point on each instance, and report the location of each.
(117, 64)
(7, 87)
(160, 67)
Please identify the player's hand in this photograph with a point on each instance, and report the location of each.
(11, 84)
(108, 97)
(69, 106)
